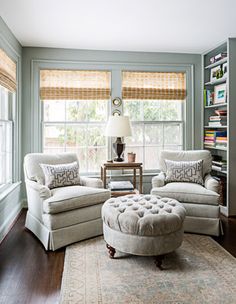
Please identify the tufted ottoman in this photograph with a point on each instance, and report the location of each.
(143, 225)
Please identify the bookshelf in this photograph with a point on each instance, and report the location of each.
(226, 150)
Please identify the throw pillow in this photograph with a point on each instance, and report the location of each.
(184, 171)
(61, 175)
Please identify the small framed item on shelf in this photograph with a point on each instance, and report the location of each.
(216, 73)
(220, 93)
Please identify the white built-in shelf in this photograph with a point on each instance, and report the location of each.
(217, 81)
(210, 66)
(216, 106)
(215, 168)
(215, 127)
(215, 148)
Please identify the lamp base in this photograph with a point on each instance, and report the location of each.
(118, 159)
(118, 148)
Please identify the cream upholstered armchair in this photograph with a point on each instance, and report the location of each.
(200, 201)
(62, 215)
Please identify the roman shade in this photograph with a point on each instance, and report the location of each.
(7, 72)
(74, 85)
(153, 85)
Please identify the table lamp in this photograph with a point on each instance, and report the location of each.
(118, 126)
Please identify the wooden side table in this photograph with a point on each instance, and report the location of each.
(123, 166)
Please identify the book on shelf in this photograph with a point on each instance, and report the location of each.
(220, 165)
(217, 139)
(217, 123)
(120, 186)
(208, 97)
(221, 112)
(218, 118)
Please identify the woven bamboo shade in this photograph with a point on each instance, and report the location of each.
(74, 85)
(7, 72)
(153, 85)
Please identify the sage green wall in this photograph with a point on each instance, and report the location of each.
(10, 201)
(33, 55)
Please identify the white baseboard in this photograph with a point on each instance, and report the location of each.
(9, 221)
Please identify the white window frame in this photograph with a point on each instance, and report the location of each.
(116, 69)
(8, 123)
(66, 123)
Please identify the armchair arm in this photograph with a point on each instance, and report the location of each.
(158, 180)
(211, 183)
(43, 191)
(91, 182)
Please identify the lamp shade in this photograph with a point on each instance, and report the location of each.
(118, 126)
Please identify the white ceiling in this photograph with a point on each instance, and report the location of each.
(190, 26)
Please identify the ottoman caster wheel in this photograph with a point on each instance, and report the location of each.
(111, 251)
(158, 261)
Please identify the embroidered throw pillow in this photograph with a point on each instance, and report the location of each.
(61, 175)
(184, 171)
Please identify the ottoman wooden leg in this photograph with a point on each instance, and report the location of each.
(111, 251)
(158, 261)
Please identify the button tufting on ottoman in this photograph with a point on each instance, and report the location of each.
(143, 224)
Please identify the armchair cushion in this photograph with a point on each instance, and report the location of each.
(188, 193)
(184, 171)
(91, 182)
(159, 180)
(61, 175)
(211, 183)
(74, 197)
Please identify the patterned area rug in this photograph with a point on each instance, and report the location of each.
(200, 271)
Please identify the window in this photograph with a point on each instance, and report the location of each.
(7, 98)
(75, 111)
(155, 103)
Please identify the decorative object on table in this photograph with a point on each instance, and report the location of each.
(220, 93)
(143, 225)
(117, 102)
(116, 113)
(118, 126)
(216, 73)
(131, 157)
(200, 271)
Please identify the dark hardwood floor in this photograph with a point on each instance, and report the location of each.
(29, 274)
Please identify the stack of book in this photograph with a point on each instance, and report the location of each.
(219, 119)
(221, 141)
(215, 139)
(209, 139)
(125, 186)
(220, 165)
